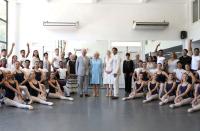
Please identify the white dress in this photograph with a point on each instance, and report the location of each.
(108, 78)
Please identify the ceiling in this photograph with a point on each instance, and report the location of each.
(111, 1)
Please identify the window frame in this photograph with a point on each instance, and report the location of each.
(6, 22)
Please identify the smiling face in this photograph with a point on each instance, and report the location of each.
(184, 77)
(17, 64)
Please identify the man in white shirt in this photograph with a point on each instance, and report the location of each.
(24, 56)
(195, 57)
(160, 57)
(179, 71)
(27, 69)
(62, 72)
(116, 72)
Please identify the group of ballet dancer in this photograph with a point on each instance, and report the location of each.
(22, 85)
(164, 87)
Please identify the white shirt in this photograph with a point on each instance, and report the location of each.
(22, 60)
(195, 62)
(116, 64)
(138, 70)
(179, 73)
(11, 66)
(3, 69)
(160, 60)
(56, 61)
(62, 73)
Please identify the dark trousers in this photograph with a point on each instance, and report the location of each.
(128, 83)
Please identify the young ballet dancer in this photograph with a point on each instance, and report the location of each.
(196, 100)
(152, 93)
(55, 90)
(138, 89)
(169, 90)
(161, 78)
(183, 93)
(13, 95)
(36, 91)
(22, 80)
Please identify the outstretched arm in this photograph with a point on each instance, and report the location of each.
(28, 50)
(11, 50)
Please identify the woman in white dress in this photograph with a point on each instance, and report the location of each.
(108, 77)
(172, 62)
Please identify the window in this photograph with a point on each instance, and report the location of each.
(3, 23)
(195, 10)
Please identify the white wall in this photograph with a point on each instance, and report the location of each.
(98, 21)
(194, 28)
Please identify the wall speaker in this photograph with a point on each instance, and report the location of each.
(183, 34)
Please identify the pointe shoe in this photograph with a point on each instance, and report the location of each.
(30, 107)
(70, 98)
(144, 101)
(161, 103)
(171, 106)
(190, 110)
(124, 99)
(50, 103)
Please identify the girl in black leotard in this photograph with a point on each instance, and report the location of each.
(191, 77)
(152, 90)
(161, 78)
(13, 93)
(36, 91)
(39, 76)
(1, 83)
(183, 93)
(169, 89)
(22, 80)
(55, 90)
(138, 89)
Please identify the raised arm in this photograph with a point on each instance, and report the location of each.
(28, 50)
(11, 50)
(190, 52)
(156, 50)
(63, 49)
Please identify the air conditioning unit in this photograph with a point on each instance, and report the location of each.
(69, 24)
(150, 25)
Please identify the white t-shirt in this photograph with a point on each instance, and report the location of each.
(56, 61)
(160, 60)
(137, 71)
(22, 60)
(62, 73)
(5, 69)
(179, 73)
(195, 62)
(153, 71)
(11, 66)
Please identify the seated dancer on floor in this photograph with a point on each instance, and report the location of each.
(36, 91)
(138, 89)
(169, 89)
(196, 100)
(184, 93)
(55, 90)
(13, 94)
(152, 93)
(161, 78)
(22, 80)
(62, 78)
